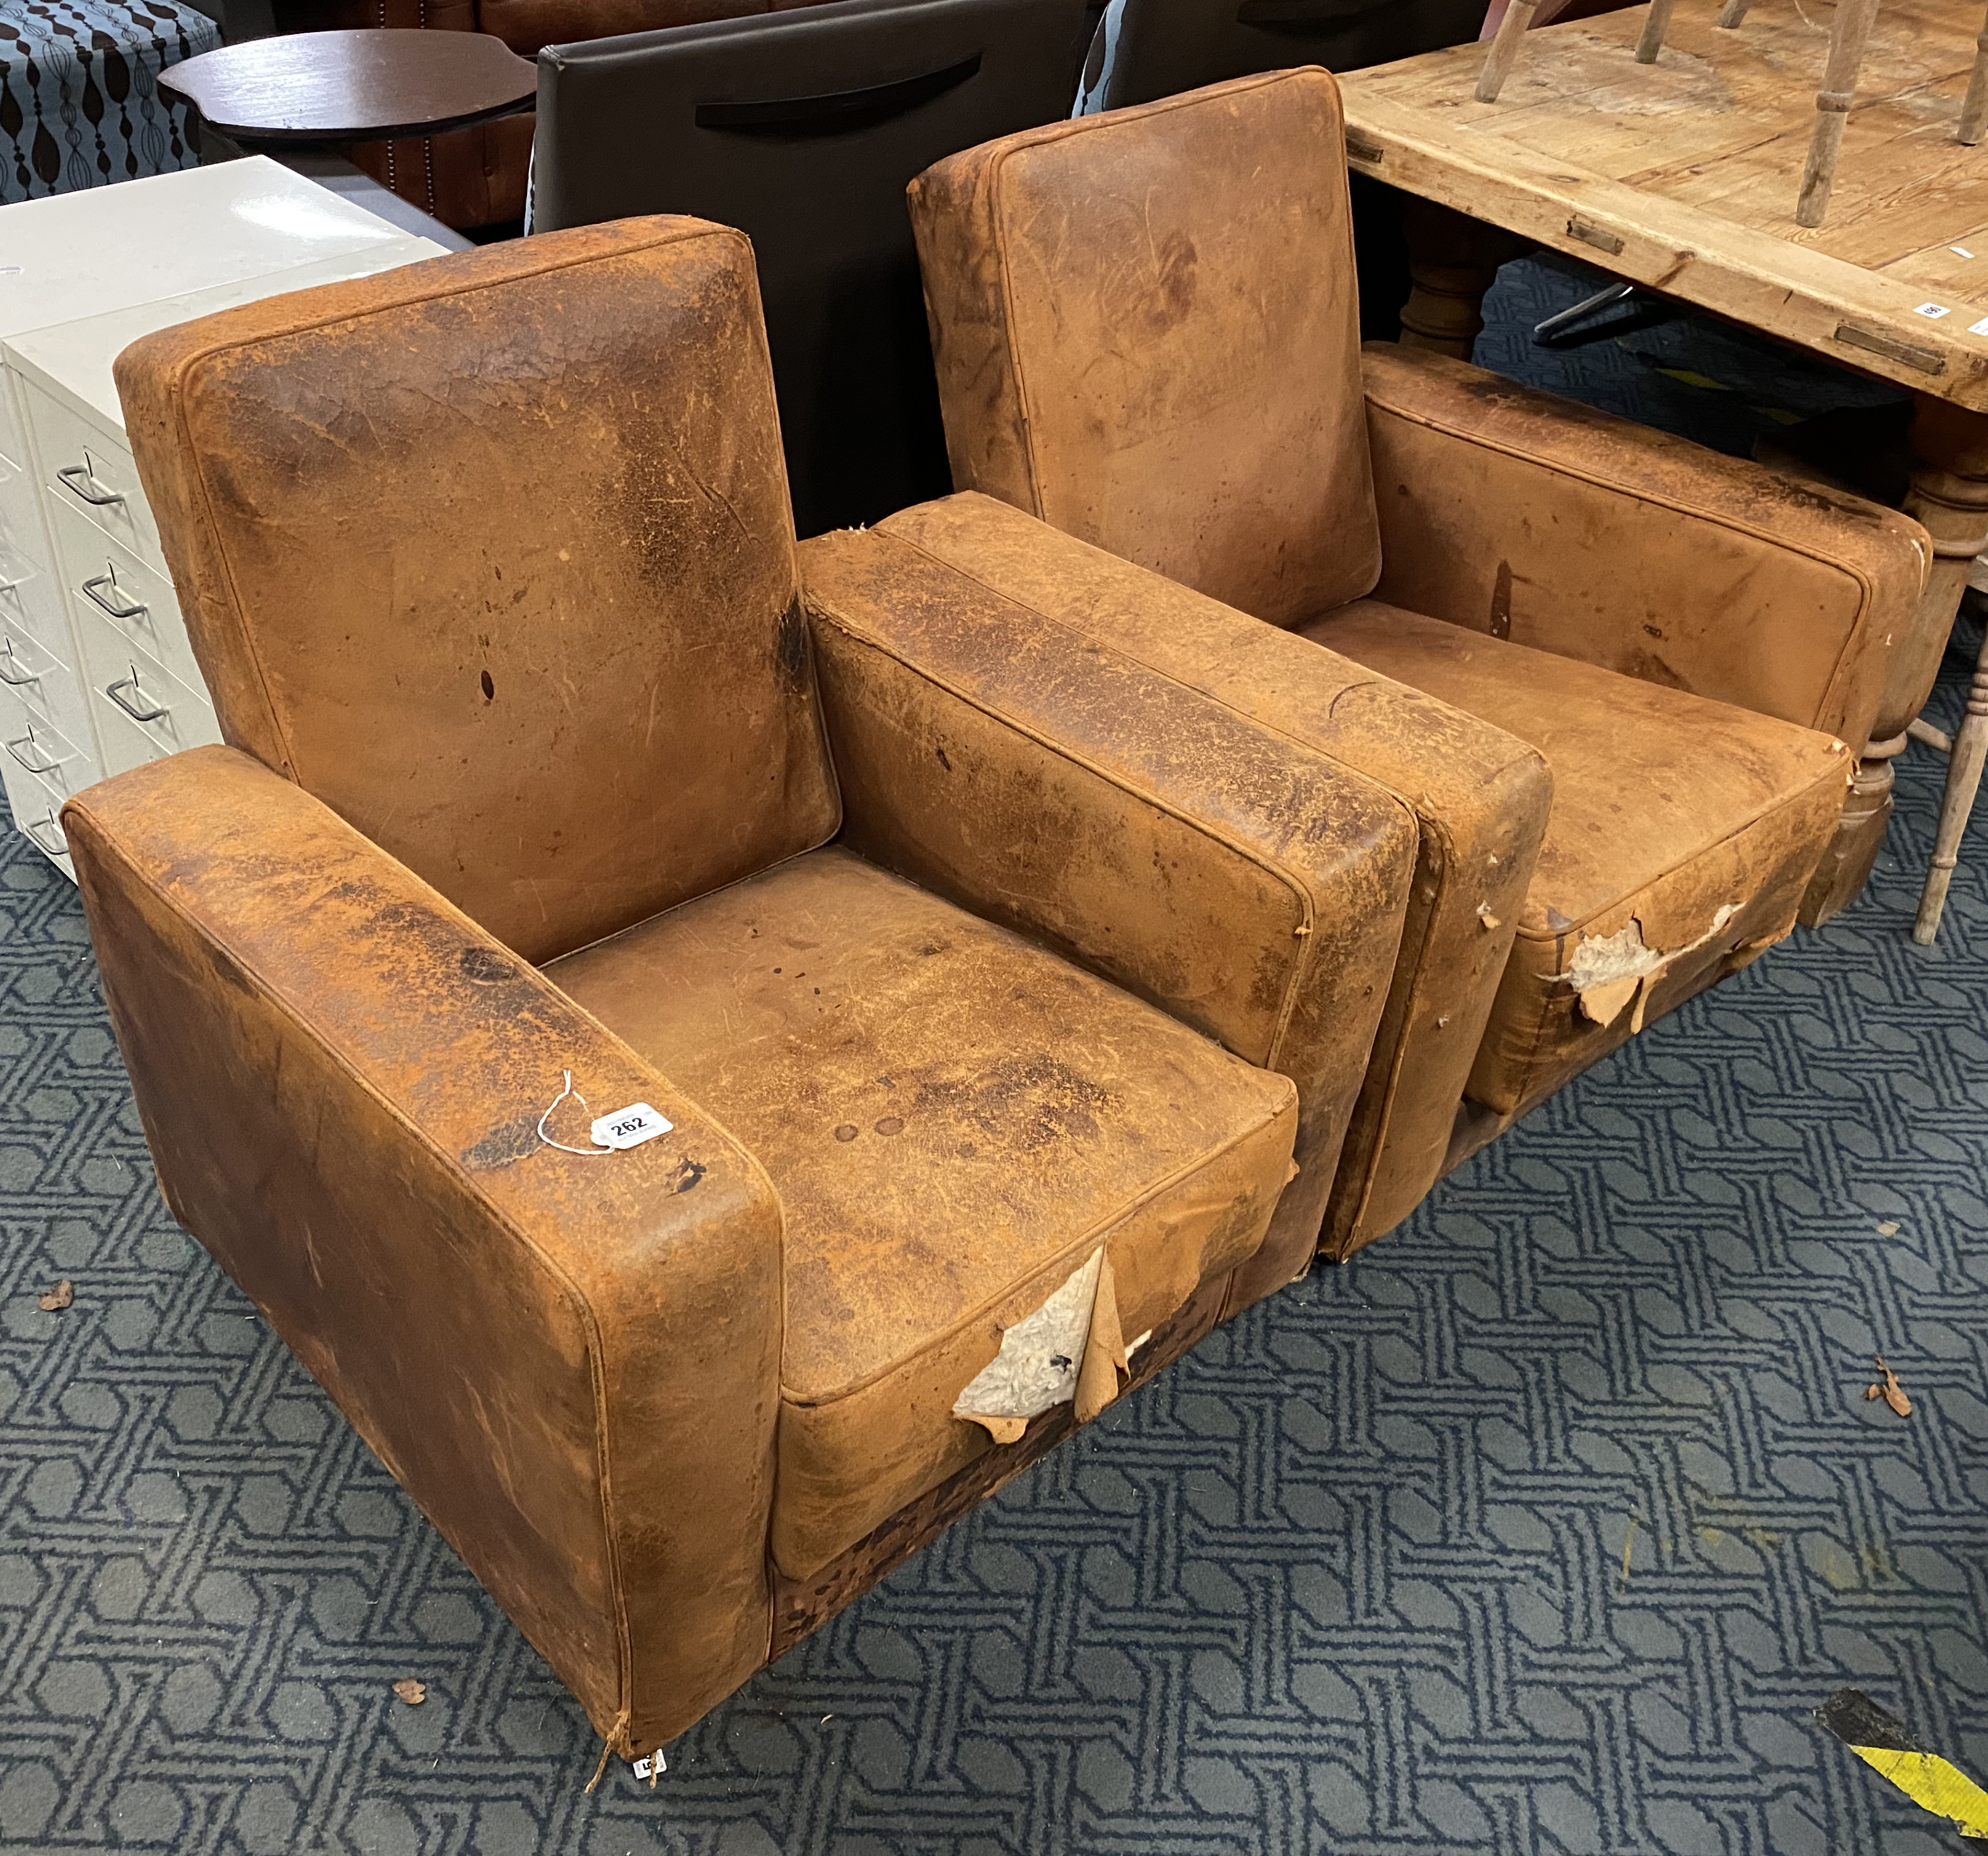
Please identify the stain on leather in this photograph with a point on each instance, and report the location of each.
(685, 1174)
(1651, 668)
(513, 1140)
(489, 687)
(482, 967)
(791, 646)
(1501, 601)
(1027, 1102)
(1176, 279)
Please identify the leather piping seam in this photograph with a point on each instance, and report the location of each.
(1856, 634)
(183, 367)
(1274, 866)
(1093, 1234)
(1043, 137)
(452, 1169)
(1766, 808)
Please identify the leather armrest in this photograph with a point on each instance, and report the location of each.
(570, 1362)
(1478, 799)
(1525, 515)
(1250, 885)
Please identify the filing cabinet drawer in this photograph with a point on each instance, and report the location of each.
(93, 476)
(109, 586)
(142, 711)
(41, 682)
(31, 596)
(20, 515)
(31, 744)
(13, 435)
(36, 809)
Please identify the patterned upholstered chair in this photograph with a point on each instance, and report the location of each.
(1144, 331)
(914, 924)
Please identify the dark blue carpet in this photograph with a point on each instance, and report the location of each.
(1541, 1527)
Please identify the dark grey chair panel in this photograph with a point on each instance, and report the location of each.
(1166, 46)
(804, 129)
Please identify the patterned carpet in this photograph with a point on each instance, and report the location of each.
(1542, 1527)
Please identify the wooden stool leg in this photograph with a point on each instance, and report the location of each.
(1849, 37)
(1963, 781)
(1733, 13)
(1452, 260)
(1974, 111)
(1654, 29)
(1505, 48)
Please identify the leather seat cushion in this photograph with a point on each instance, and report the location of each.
(955, 1119)
(1668, 807)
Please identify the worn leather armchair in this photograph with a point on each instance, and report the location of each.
(923, 919)
(1144, 330)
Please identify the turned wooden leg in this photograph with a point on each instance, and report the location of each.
(1949, 494)
(1655, 28)
(1504, 49)
(1733, 13)
(1848, 39)
(1963, 781)
(1452, 259)
(1974, 111)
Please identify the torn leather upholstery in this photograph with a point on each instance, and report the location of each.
(489, 566)
(1145, 332)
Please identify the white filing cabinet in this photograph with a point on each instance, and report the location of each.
(96, 672)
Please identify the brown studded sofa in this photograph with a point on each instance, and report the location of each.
(1144, 331)
(989, 982)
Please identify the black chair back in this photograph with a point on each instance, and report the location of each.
(1159, 47)
(803, 128)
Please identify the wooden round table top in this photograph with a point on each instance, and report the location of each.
(365, 85)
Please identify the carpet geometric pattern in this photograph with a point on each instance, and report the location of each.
(1543, 1526)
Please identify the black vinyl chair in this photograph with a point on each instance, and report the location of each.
(803, 128)
(1145, 49)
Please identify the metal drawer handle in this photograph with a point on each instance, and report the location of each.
(82, 478)
(115, 691)
(42, 761)
(11, 672)
(124, 608)
(47, 822)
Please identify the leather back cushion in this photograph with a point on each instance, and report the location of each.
(1145, 325)
(492, 554)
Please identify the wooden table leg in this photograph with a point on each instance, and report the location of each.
(1949, 493)
(1452, 260)
(1963, 781)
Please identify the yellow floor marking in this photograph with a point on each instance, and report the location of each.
(1934, 1785)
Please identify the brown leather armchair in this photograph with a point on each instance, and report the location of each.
(922, 918)
(1144, 330)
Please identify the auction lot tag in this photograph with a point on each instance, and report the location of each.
(630, 1127)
